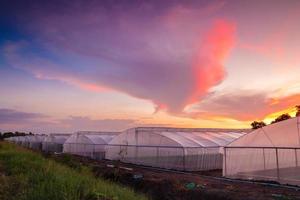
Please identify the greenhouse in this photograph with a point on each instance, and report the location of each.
(24, 140)
(18, 139)
(35, 141)
(89, 144)
(54, 142)
(172, 148)
(9, 139)
(269, 153)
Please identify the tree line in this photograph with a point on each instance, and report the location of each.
(13, 134)
(285, 116)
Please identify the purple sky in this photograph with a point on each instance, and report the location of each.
(76, 65)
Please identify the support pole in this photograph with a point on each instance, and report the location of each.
(184, 159)
(277, 164)
(225, 162)
(264, 159)
(296, 158)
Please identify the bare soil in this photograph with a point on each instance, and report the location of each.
(169, 185)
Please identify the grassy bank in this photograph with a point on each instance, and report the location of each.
(26, 175)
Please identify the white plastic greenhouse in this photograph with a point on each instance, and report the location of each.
(35, 141)
(172, 148)
(54, 142)
(89, 144)
(24, 140)
(9, 139)
(268, 153)
(18, 140)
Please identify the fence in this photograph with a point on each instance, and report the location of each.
(52, 147)
(281, 164)
(94, 151)
(169, 157)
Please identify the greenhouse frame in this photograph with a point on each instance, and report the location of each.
(54, 142)
(172, 148)
(88, 144)
(268, 153)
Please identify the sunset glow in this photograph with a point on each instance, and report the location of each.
(112, 65)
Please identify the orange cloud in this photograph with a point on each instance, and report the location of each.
(244, 106)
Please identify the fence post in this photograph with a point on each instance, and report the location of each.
(264, 158)
(157, 155)
(94, 151)
(296, 158)
(225, 160)
(277, 163)
(183, 158)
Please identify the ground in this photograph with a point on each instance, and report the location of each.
(167, 185)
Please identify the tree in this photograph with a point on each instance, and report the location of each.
(298, 111)
(281, 118)
(256, 125)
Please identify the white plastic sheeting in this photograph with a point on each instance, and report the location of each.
(18, 139)
(90, 144)
(54, 142)
(268, 153)
(24, 141)
(172, 148)
(9, 139)
(35, 141)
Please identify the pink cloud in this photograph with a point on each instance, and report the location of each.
(134, 50)
(208, 66)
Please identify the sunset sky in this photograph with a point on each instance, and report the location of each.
(112, 64)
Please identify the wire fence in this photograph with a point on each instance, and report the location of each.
(281, 164)
(52, 147)
(169, 157)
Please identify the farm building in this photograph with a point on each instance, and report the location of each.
(89, 144)
(172, 148)
(54, 142)
(35, 141)
(268, 153)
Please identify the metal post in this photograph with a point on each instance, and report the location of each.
(136, 154)
(94, 151)
(296, 158)
(277, 163)
(198, 155)
(264, 159)
(225, 164)
(183, 158)
(157, 155)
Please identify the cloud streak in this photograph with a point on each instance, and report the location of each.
(25, 121)
(10, 116)
(242, 105)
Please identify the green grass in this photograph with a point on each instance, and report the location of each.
(26, 175)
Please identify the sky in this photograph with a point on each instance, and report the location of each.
(109, 65)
